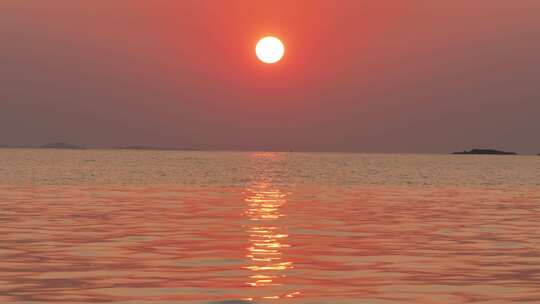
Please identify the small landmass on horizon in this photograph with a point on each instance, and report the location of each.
(485, 152)
(61, 145)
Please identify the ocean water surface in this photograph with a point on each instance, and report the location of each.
(112, 226)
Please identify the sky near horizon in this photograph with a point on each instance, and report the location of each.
(373, 76)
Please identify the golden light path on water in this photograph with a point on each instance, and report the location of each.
(267, 238)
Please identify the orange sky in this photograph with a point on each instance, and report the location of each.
(415, 76)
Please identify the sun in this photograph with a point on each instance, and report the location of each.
(270, 50)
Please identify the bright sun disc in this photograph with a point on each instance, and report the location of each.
(270, 50)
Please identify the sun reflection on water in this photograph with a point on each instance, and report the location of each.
(267, 240)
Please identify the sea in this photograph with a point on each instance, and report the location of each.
(125, 226)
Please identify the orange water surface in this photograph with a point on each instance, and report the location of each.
(91, 227)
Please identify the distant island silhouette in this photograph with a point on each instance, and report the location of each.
(485, 152)
(61, 145)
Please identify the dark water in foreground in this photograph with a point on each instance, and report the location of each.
(189, 227)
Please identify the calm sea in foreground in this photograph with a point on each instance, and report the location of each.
(98, 226)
